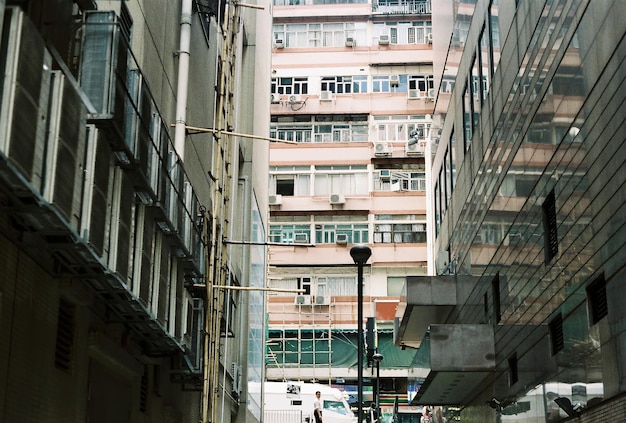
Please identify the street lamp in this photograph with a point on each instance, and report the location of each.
(377, 357)
(360, 254)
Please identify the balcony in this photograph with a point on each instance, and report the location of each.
(400, 7)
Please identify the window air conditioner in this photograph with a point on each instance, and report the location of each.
(381, 149)
(394, 80)
(278, 43)
(341, 239)
(429, 38)
(302, 300)
(301, 238)
(415, 148)
(326, 96)
(276, 200)
(350, 42)
(431, 93)
(321, 300)
(295, 98)
(275, 98)
(413, 93)
(337, 199)
(383, 39)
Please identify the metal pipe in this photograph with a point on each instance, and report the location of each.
(360, 254)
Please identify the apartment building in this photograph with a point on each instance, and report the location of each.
(528, 184)
(351, 105)
(120, 173)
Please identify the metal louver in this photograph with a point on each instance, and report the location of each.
(104, 62)
(65, 149)
(95, 222)
(123, 207)
(23, 96)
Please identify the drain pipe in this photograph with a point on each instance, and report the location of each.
(183, 78)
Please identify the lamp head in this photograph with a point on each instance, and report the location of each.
(360, 253)
(377, 357)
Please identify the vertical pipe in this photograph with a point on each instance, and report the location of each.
(183, 78)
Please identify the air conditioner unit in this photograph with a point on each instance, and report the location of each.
(276, 200)
(321, 300)
(381, 149)
(350, 42)
(275, 98)
(301, 238)
(341, 239)
(383, 39)
(295, 98)
(326, 96)
(431, 92)
(279, 43)
(429, 38)
(337, 199)
(302, 300)
(414, 148)
(394, 80)
(413, 93)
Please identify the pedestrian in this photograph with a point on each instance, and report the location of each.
(317, 407)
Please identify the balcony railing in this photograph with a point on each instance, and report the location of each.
(400, 7)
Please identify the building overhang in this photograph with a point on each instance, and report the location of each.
(462, 357)
(429, 300)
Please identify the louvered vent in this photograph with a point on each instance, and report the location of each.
(556, 334)
(513, 370)
(65, 336)
(143, 390)
(65, 146)
(551, 237)
(597, 300)
(98, 184)
(103, 68)
(23, 95)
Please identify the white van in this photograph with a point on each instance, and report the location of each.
(292, 402)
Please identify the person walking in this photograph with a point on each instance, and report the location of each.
(317, 408)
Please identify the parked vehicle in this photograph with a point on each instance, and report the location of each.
(292, 402)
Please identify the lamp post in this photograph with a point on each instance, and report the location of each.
(377, 357)
(360, 254)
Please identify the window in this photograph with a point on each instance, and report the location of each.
(597, 300)
(556, 334)
(513, 370)
(286, 233)
(390, 180)
(495, 290)
(396, 286)
(327, 34)
(389, 83)
(359, 84)
(322, 132)
(288, 86)
(494, 36)
(290, 180)
(350, 180)
(337, 84)
(386, 231)
(423, 84)
(404, 32)
(327, 233)
(551, 237)
(467, 117)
